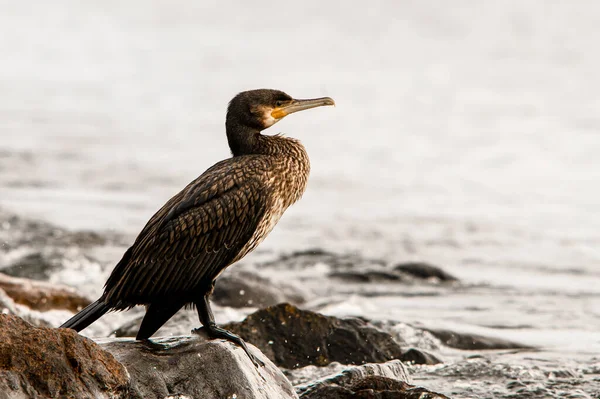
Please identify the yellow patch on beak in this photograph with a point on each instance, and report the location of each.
(278, 113)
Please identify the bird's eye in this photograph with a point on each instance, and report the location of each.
(279, 103)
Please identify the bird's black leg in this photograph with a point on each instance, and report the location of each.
(214, 331)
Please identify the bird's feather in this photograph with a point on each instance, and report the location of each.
(194, 236)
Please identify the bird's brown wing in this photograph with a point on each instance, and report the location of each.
(194, 236)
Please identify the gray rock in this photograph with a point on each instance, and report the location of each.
(373, 387)
(367, 276)
(35, 265)
(393, 369)
(418, 356)
(192, 367)
(247, 289)
(17, 232)
(424, 271)
(338, 262)
(389, 380)
(468, 341)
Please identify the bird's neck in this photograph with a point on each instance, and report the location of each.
(242, 139)
(246, 140)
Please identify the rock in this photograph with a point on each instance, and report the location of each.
(424, 271)
(36, 266)
(374, 387)
(16, 231)
(367, 276)
(8, 306)
(294, 338)
(192, 367)
(50, 363)
(418, 356)
(349, 376)
(246, 289)
(40, 295)
(389, 380)
(408, 335)
(473, 341)
(302, 259)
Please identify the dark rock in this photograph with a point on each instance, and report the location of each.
(246, 289)
(388, 380)
(192, 367)
(50, 363)
(374, 387)
(293, 338)
(40, 295)
(366, 276)
(473, 341)
(36, 266)
(418, 356)
(302, 259)
(350, 376)
(424, 271)
(16, 231)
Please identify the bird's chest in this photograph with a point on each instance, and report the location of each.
(287, 182)
(264, 227)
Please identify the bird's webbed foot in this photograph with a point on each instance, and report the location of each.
(215, 332)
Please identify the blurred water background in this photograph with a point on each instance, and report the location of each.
(466, 134)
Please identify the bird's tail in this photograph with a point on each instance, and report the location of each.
(87, 316)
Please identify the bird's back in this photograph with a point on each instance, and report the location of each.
(195, 235)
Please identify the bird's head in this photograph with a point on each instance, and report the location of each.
(261, 109)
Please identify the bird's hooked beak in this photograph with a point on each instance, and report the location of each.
(300, 105)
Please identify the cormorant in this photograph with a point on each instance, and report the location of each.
(213, 222)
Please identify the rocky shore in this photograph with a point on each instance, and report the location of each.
(307, 354)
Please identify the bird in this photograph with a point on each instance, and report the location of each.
(215, 221)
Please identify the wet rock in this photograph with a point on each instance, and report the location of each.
(408, 335)
(367, 276)
(294, 338)
(424, 271)
(303, 259)
(349, 376)
(50, 363)
(468, 341)
(192, 367)
(36, 266)
(8, 307)
(16, 231)
(374, 387)
(246, 289)
(389, 380)
(42, 296)
(418, 356)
